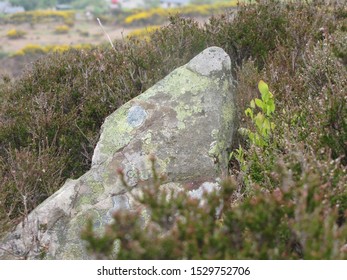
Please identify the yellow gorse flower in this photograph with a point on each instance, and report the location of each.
(189, 10)
(37, 49)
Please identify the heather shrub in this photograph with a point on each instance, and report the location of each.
(28, 176)
(180, 41)
(339, 46)
(288, 198)
(253, 32)
(294, 221)
(309, 87)
(325, 80)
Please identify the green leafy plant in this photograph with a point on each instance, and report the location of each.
(248, 162)
(263, 119)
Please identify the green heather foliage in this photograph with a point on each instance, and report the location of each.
(283, 200)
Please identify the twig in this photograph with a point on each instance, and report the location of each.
(108, 37)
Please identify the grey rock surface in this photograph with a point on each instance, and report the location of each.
(185, 120)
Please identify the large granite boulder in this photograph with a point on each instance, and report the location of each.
(186, 121)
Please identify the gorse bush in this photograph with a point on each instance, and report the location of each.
(143, 33)
(15, 34)
(31, 49)
(40, 16)
(285, 199)
(160, 15)
(61, 29)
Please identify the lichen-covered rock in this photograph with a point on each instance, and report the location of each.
(186, 121)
